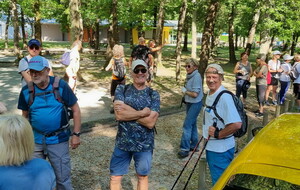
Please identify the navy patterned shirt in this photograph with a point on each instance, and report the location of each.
(131, 135)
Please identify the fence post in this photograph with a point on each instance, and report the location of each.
(277, 112)
(286, 106)
(249, 133)
(292, 103)
(265, 118)
(202, 169)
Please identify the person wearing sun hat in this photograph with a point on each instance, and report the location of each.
(34, 48)
(49, 119)
(137, 109)
(285, 79)
(275, 70)
(220, 147)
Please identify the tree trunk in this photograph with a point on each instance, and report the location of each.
(23, 28)
(37, 23)
(154, 22)
(294, 42)
(112, 35)
(207, 31)
(194, 32)
(6, 27)
(16, 28)
(253, 29)
(181, 20)
(185, 42)
(97, 34)
(236, 41)
(265, 41)
(232, 58)
(76, 21)
(286, 46)
(159, 30)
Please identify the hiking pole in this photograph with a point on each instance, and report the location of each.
(215, 126)
(187, 163)
(196, 164)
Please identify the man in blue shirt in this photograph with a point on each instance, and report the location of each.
(49, 119)
(137, 108)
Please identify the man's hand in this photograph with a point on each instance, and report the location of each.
(146, 112)
(211, 131)
(75, 141)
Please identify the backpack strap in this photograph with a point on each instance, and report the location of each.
(31, 93)
(55, 87)
(214, 105)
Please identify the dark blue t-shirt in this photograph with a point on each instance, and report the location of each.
(46, 113)
(131, 135)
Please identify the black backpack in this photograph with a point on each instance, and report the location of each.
(294, 74)
(240, 108)
(141, 52)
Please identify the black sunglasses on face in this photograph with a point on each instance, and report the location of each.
(137, 71)
(188, 66)
(34, 47)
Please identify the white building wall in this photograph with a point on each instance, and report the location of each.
(51, 32)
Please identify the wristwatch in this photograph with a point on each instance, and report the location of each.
(76, 134)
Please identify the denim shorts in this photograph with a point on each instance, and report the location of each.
(120, 162)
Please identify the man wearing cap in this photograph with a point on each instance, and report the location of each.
(275, 70)
(136, 108)
(49, 120)
(285, 78)
(34, 48)
(221, 144)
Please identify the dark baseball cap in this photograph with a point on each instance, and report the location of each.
(34, 42)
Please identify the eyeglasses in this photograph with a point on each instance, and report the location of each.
(34, 72)
(188, 66)
(34, 47)
(137, 71)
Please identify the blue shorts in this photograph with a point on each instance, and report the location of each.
(218, 162)
(120, 162)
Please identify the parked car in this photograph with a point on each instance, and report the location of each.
(270, 161)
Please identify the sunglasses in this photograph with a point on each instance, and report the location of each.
(137, 71)
(34, 47)
(34, 72)
(188, 66)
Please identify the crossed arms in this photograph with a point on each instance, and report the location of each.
(145, 117)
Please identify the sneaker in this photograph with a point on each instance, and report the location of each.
(257, 111)
(267, 103)
(183, 154)
(259, 114)
(274, 103)
(192, 149)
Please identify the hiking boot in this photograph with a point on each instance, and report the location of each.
(259, 114)
(192, 149)
(267, 103)
(274, 102)
(257, 111)
(183, 154)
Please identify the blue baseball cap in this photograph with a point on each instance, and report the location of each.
(34, 42)
(38, 63)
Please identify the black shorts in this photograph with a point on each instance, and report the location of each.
(297, 90)
(274, 82)
(114, 84)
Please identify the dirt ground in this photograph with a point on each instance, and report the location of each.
(90, 162)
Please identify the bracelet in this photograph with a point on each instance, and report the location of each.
(76, 134)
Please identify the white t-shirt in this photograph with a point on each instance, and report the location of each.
(228, 112)
(273, 65)
(286, 67)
